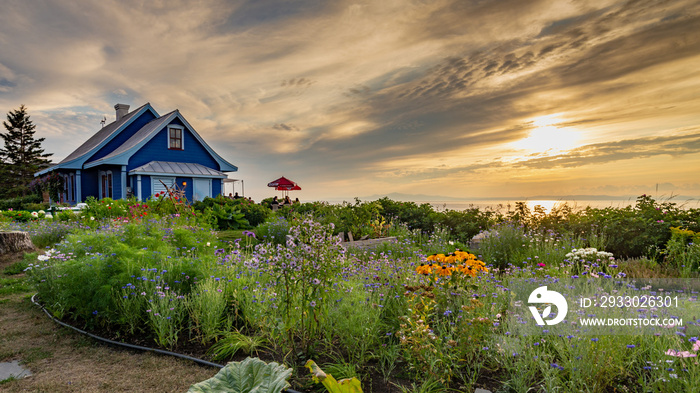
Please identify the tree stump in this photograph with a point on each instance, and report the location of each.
(15, 242)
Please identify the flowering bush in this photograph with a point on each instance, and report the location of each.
(461, 262)
(23, 215)
(683, 251)
(590, 260)
(305, 268)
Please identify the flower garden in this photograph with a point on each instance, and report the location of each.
(427, 313)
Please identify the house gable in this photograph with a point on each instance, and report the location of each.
(127, 132)
(100, 142)
(151, 141)
(157, 146)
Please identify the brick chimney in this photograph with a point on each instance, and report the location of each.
(122, 110)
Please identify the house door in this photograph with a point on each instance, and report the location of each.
(202, 189)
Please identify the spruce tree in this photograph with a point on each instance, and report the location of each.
(22, 155)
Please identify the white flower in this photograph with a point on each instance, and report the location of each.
(92, 218)
(35, 214)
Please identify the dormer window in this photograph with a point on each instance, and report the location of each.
(175, 138)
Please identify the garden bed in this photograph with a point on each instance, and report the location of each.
(370, 243)
(415, 311)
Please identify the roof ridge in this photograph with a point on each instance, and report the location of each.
(100, 136)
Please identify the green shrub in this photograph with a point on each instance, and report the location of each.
(274, 230)
(416, 216)
(506, 243)
(633, 231)
(35, 206)
(233, 213)
(66, 215)
(464, 225)
(20, 203)
(105, 208)
(683, 251)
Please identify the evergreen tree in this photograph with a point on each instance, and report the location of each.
(22, 155)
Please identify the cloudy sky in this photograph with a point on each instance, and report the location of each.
(459, 98)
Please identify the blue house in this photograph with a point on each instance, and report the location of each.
(139, 153)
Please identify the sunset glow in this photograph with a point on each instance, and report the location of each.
(450, 98)
(547, 137)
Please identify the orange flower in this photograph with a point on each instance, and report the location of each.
(444, 271)
(424, 269)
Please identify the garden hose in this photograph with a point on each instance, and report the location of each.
(132, 346)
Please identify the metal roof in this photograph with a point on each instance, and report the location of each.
(77, 158)
(121, 155)
(101, 135)
(176, 168)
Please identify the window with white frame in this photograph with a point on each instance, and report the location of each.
(175, 138)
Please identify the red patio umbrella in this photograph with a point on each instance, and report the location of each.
(284, 184)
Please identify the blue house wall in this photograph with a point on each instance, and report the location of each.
(146, 185)
(89, 183)
(116, 180)
(188, 189)
(157, 149)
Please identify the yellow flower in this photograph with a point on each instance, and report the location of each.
(444, 271)
(424, 269)
(444, 265)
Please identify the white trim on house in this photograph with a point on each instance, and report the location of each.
(99, 184)
(182, 135)
(124, 182)
(78, 187)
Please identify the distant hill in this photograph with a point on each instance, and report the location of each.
(396, 196)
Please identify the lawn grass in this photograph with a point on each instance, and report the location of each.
(230, 235)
